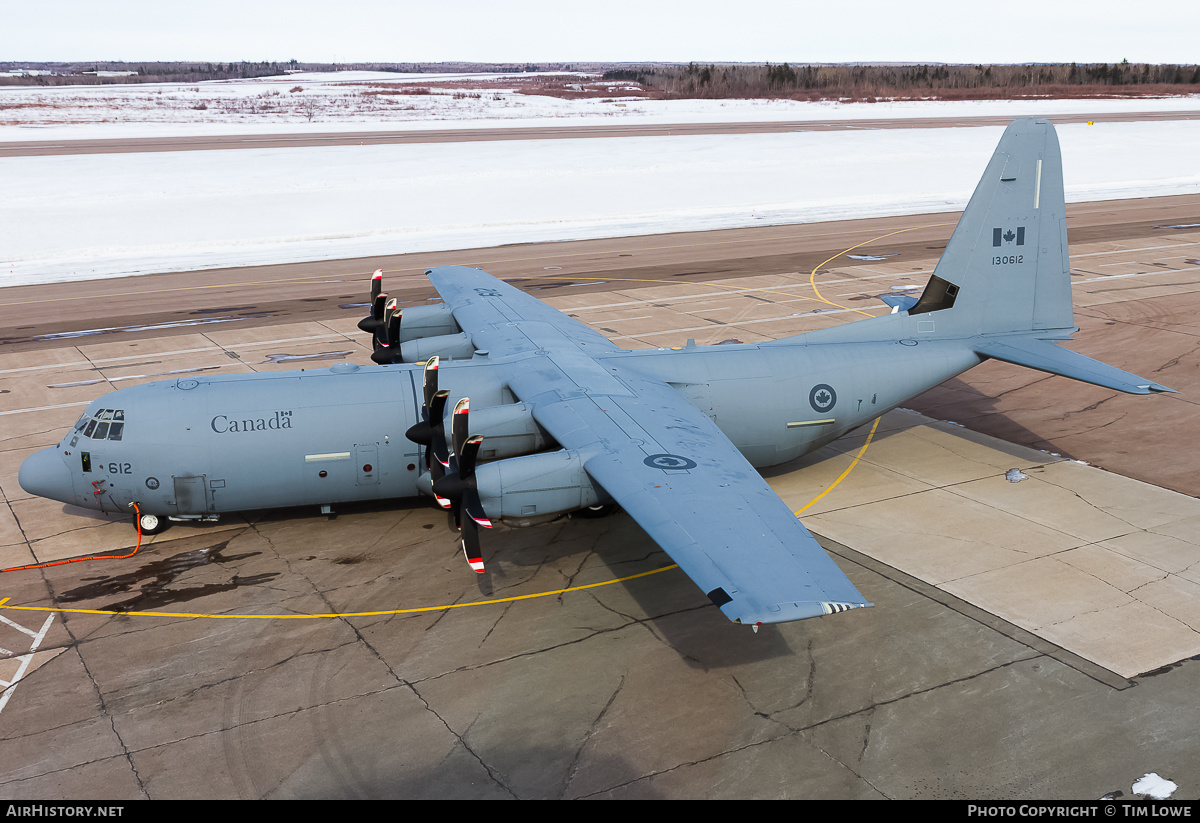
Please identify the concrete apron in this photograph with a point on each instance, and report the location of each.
(1099, 564)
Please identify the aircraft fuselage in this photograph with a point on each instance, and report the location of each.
(202, 446)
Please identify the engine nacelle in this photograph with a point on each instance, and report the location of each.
(427, 321)
(536, 485)
(446, 346)
(507, 430)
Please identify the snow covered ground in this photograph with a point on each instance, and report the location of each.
(299, 103)
(86, 216)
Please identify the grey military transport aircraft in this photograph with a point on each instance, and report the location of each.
(562, 420)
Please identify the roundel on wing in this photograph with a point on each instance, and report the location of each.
(670, 462)
(822, 397)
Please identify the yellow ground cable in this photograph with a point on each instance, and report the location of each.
(812, 277)
(849, 468)
(340, 614)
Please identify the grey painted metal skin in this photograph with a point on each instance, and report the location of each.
(569, 420)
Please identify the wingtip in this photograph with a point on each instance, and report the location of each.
(801, 610)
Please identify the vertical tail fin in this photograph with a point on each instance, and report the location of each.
(1003, 285)
(1005, 268)
(1005, 273)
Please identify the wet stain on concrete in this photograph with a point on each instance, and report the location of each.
(151, 583)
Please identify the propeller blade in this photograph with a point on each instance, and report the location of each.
(470, 545)
(371, 321)
(473, 507)
(422, 432)
(467, 456)
(437, 409)
(436, 472)
(371, 324)
(381, 327)
(391, 327)
(464, 491)
(429, 382)
(437, 422)
(377, 307)
(459, 430)
(458, 483)
(387, 335)
(454, 482)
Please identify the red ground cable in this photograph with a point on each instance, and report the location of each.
(137, 519)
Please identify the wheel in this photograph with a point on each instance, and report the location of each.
(152, 523)
(592, 512)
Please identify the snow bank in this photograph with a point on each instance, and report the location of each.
(107, 215)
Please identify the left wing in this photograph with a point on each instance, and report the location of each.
(698, 498)
(661, 459)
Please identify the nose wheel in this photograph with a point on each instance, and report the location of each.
(151, 523)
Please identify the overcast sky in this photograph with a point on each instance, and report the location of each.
(951, 31)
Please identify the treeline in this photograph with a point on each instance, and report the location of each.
(148, 72)
(195, 72)
(866, 82)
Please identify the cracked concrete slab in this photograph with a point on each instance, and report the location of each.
(1061, 553)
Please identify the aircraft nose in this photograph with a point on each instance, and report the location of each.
(46, 475)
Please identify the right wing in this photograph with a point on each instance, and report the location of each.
(484, 306)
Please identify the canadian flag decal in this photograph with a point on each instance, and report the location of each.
(1000, 236)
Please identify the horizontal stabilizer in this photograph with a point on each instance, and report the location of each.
(1045, 356)
(900, 302)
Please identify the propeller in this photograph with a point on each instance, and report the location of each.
(458, 486)
(387, 334)
(431, 431)
(452, 472)
(372, 321)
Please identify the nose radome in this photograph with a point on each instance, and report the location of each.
(46, 475)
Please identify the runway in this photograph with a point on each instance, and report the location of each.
(945, 689)
(42, 148)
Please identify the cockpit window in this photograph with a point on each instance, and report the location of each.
(105, 424)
